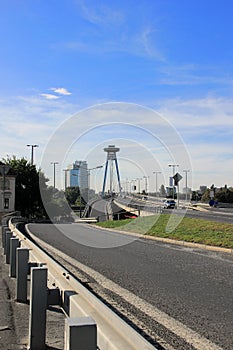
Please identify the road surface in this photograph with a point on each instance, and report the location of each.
(184, 295)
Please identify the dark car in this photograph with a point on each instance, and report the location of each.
(169, 204)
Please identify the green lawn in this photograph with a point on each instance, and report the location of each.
(188, 229)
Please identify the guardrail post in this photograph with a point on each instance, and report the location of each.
(9, 235)
(38, 306)
(80, 334)
(14, 244)
(4, 239)
(22, 257)
(4, 228)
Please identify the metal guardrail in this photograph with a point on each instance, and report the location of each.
(86, 314)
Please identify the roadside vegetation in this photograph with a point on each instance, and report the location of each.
(189, 229)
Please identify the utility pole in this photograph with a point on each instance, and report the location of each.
(186, 184)
(32, 152)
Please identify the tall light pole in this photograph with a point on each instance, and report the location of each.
(186, 184)
(54, 172)
(32, 152)
(156, 181)
(173, 172)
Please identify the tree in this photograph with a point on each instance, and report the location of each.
(162, 191)
(27, 187)
(72, 194)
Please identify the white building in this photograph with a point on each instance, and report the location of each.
(7, 189)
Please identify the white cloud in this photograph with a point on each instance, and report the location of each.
(61, 91)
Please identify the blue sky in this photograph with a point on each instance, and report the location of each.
(175, 57)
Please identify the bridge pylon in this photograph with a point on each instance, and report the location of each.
(111, 158)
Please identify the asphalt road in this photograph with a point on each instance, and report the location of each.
(191, 286)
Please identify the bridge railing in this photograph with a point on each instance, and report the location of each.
(90, 324)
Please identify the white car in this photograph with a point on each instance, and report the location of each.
(169, 204)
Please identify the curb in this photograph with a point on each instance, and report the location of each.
(171, 241)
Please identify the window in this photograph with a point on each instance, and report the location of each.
(6, 203)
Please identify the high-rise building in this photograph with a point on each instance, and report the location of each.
(78, 175)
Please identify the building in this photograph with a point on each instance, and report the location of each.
(78, 175)
(7, 189)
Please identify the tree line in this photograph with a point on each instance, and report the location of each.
(34, 198)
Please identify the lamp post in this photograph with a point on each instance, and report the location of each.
(54, 173)
(173, 173)
(32, 152)
(186, 184)
(156, 181)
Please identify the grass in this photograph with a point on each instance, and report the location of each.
(176, 227)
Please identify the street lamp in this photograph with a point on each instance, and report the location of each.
(32, 152)
(54, 172)
(186, 184)
(156, 181)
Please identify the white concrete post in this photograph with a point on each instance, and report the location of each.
(14, 244)
(9, 235)
(22, 257)
(80, 334)
(38, 306)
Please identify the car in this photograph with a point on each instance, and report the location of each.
(169, 204)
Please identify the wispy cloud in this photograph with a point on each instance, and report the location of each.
(100, 14)
(193, 74)
(111, 30)
(49, 96)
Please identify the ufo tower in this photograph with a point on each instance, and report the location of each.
(111, 159)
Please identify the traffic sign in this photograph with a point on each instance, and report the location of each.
(177, 177)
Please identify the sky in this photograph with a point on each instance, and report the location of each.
(153, 77)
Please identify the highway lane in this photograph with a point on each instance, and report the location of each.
(189, 285)
(215, 214)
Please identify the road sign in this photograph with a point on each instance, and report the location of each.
(177, 177)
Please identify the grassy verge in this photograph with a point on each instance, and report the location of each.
(189, 229)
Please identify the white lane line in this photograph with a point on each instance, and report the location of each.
(184, 332)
